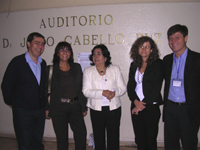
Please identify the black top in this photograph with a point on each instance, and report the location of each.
(59, 83)
(152, 83)
(20, 87)
(68, 88)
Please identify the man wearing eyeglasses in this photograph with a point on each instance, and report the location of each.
(23, 90)
(182, 92)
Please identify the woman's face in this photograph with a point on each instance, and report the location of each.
(145, 50)
(98, 58)
(64, 54)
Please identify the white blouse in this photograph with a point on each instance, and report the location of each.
(139, 87)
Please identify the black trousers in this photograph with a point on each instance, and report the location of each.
(29, 128)
(145, 126)
(69, 113)
(178, 126)
(103, 121)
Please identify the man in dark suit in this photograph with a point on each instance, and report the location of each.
(182, 92)
(23, 90)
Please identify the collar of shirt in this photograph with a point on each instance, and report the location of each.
(183, 56)
(28, 58)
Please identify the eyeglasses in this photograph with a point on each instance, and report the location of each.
(145, 47)
(64, 50)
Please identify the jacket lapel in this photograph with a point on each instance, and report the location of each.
(147, 72)
(170, 64)
(42, 72)
(189, 65)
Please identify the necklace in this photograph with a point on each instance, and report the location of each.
(101, 71)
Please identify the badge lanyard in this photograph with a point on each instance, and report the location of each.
(178, 67)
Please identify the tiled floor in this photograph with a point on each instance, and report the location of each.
(11, 144)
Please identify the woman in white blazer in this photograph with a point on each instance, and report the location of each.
(103, 85)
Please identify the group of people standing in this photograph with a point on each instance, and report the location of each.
(26, 83)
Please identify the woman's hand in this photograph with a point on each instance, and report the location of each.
(140, 105)
(105, 93)
(108, 94)
(111, 95)
(135, 111)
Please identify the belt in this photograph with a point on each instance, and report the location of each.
(67, 100)
(184, 103)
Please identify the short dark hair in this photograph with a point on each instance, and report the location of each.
(105, 53)
(154, 55)
(31, 37)
(62, 45)
(177, 28)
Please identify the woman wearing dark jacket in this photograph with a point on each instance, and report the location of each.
(144, 86)
(67, 102)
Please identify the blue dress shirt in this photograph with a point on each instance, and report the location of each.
(36, 68)
(177, 94)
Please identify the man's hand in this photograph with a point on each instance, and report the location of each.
(47, 114)
(84, 113)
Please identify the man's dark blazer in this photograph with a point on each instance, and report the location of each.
(191, 83)
(56, 88)
(152, 83)
(20, 87)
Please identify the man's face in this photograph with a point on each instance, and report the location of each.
(177, 42)
(36, 47)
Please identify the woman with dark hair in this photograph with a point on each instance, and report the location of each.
(144, 86)
(67, 102)
(103, 85)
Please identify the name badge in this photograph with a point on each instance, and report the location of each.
(177, 82)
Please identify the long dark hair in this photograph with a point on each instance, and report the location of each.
(62, 45)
